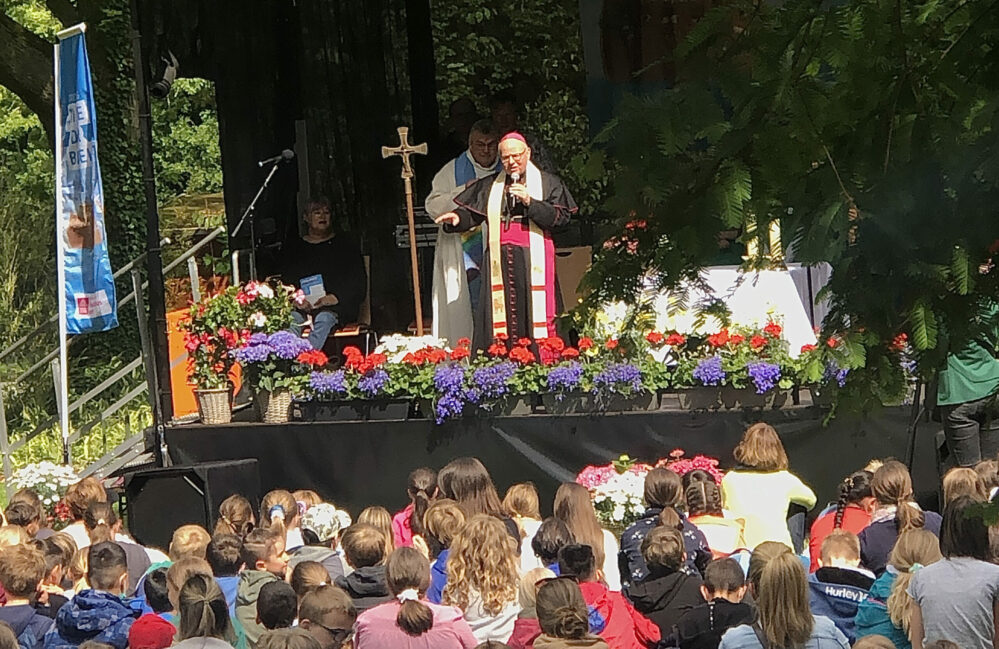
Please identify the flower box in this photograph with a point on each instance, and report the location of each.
(352, 410)
(702, 398)
(621, 402)
(570, 403)
(512, 406)
(749, 399)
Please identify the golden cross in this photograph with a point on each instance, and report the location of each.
(404, 150)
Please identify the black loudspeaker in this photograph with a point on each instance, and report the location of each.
(158, 501)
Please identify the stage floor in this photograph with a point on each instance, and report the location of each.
(356, 464)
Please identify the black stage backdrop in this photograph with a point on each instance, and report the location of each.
(356, 464)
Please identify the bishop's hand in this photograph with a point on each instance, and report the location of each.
(520, 191)
(449, 218)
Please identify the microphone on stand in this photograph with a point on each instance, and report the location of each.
(511, 201)
(287, 154)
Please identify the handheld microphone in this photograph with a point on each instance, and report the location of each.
(287, 154)
(511, 201)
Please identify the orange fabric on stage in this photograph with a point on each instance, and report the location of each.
(183, 392)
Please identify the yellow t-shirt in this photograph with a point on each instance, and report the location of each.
(764, 498)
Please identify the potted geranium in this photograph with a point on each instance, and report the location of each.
(278, 366)
(214, 329)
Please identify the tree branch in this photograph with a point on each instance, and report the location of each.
(64, 11)
(26, 69)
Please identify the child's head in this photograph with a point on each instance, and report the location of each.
(277, 605)
(562, 610)
(80, 496)
(962, 481)
(55, 560)
(988, 476)
(263, 549)
(100, 522)
(320, 525)
(528, 596)
(521, 500)
(328, 615)
(157, 591)
(841, 549)
(873, 642)
(179, 572)
(574, 505)
(963, 532)
(892, 485)
(663, 488)
(23, 515)
(235, 516)
(189, 541)
(577, 560)
(662, 549)
(151, 632)
(381, 519)
(293, 638)
(8, 639)
(761, 449)
(724, 579)
(467, 481)
(407, 574)
(308, 575)
(279, 511)
(441, 523)
(552, 536)
(363, 545)
(203, 609)
(31, 498)
(22, 570)
(913, 550)
(762, 555)
(421, 486)
(483, 561)
(107, 568)
(66, 545)
(854, 490)
(77, 569)
(703, 498)
(225, 555)
(306, 499)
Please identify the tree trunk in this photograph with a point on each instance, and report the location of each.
(26, 69)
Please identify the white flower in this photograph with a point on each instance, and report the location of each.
(258, 319)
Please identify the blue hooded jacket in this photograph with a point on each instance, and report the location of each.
(92, 615)
(28, 625)
(872, 614)
(836, 593)
(438, 577)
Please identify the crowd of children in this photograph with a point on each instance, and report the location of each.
(705, 566)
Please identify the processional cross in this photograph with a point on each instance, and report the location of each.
(404, 150)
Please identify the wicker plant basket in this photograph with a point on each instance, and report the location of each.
(214, 405)
(274, 407)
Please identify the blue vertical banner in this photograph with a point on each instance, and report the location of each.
(88, 302)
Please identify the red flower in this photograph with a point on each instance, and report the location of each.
(773, 330)
(497, 350)
(436, 356)
(757, 342)
(243, 298)
(676, 340)
(313, 357)
(522, 355)
(524, 342)
(460, 354)
(637, 224)
(191, 343)
(898, 342)
(464, 342)
(808, 348)
(377, 360)
(412, 359)
(548, 356)
(655, 338)
(351, 351)
(832, 343)
(611, 343)
(719, 339)
(502, 337)
(676, 453)
(570, 352)
(735, 339)
(585, 343)
(553, 344)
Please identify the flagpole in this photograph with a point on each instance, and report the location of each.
(63, 379)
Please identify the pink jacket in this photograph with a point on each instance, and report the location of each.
(376, 628)
(401, 531)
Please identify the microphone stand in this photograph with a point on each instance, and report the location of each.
(249, 214)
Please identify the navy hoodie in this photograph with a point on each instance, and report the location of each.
(29, 625)
(837, 593)
(366, 586)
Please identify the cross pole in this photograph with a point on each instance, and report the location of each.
(404, 150)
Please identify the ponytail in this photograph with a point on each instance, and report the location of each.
(422, 489)
(415, 618)
(908, 516)
(278, 511)
(421, 503)
(99, 519)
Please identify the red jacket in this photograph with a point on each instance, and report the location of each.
(525, 632)
(617, 621)
(855, 519)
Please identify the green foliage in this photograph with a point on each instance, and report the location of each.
(867, 129)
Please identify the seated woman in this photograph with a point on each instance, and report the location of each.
(329, 269)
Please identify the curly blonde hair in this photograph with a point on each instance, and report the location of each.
(483, 559)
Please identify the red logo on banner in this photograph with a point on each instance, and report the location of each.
(83, 305)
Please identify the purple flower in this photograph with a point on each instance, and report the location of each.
(765, 376)
(491, 381)
(565, 378)
(258, 339)
(835, 372)
(709, 371)
(618, 378)
(449, 377)
(373, 383)
(287, 345)
(449, 405)
(254, 353)
(328, 383)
